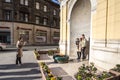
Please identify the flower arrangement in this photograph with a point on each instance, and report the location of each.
(90, 73)
(47, 72)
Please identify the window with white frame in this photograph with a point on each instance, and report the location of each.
(45, 8)
(54, 23)
(54, 12)
(8, 1)
(37, 20)
(45, 21)
(24, 17)
(24, 2)
(7, 15)
(37, 5)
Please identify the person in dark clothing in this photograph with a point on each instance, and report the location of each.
(77, 45)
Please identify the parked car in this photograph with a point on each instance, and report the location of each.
(2, 46)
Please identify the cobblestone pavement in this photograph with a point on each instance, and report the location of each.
(29, 70)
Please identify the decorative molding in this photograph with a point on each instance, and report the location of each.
(4, 27)
(106, 49)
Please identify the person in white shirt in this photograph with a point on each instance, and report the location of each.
(83, 46)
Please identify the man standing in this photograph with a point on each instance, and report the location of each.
(83, 46)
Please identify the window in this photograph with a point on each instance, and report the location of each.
(24, 17)
(7, 15)
(45, 8)
(45, 21)
(54, 12)
(37, 5)
(24, 2)
(54, 23)
(8, 1)
(37, 20)
(56, 37)
(25, 35)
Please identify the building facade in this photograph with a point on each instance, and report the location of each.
(99, 21)
(37, 21)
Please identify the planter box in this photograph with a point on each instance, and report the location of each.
(42, 52)
(110, 78)
(114, 72)
(117, 74)
(38, 57)
(42, 72)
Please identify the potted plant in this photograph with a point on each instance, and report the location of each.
(50, 52)
(37, 54)
(86, 72)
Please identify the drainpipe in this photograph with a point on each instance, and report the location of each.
(106, 23)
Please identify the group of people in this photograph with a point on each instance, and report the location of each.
(81, 46)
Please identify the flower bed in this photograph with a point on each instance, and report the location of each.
(46, 73)
(90, 73)
(37, 54)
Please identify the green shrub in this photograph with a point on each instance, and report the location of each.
(117, 68)
(51, 52)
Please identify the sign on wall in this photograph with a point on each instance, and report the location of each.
(41, 36)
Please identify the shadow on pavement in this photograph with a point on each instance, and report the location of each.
(32, 71)
(22, 78)
(11, 50)
(14, 66)
(27, 71)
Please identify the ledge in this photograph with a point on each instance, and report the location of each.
(106, 49)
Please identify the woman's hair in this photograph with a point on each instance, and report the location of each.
(83, 35)
(20, 38)
(80, 39)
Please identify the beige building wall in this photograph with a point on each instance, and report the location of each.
(15, 29)
(20, 27)
(104, 31)
(99, 21)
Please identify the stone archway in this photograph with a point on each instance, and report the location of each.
(80, 22)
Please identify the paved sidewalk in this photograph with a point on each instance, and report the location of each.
(65, 70)
(29, 70)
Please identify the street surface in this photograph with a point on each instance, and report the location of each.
(29, 70)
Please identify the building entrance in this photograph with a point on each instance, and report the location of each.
(5, 37)
(80, 22)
